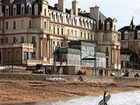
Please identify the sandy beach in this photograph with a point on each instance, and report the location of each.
(36, 91)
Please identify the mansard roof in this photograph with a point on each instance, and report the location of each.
(125, 28)
(7, 2)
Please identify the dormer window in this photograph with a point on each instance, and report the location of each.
(30, 9)
(57, 17)
(61, 18)
(67, 18)
(126, 35)
(22, 9)
(14, 10)
(36, 9)
(7, 11)
(84, 23)
(108, 26)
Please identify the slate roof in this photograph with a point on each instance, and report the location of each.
(125, 28)
(7, 2)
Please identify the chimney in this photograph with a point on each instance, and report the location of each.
(62, 5)
(94, 12)
(75, 7)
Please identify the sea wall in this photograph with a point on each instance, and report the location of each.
(68, 78)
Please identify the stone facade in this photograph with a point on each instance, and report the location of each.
(44, 26)
(130, 45)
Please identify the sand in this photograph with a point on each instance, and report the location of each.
(35, 91)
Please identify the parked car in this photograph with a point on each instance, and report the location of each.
(40, 71)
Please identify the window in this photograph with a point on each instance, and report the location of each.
(14, 10)
(138, 35)
(62, 44)
(75, 33)
(22, 10)
(30, 24)
(45, 12)
(17, 56)
(36, 9)
(22, 39)
(81, 35)
(33, 55)
(108, 26)
(22, 24)
(14, 25)
(62, 31)
(126, 35)
(9, 56)
(53, 30)
(33, 39)
(84, 35)
(45, 25)
(15, 40)
(88, 36)
(6, 40)
(6, 25)
(7, 12)
(58, 31)
(68, 31)
(106, 51)
(30, 9)
(91, 37)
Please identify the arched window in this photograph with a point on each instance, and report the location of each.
(7, 11)
(14, 10)
(36, 9)
(108, 26)
(22, 9)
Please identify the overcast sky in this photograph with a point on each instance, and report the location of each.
(122, 10)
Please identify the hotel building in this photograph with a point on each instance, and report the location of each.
(30, 30)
